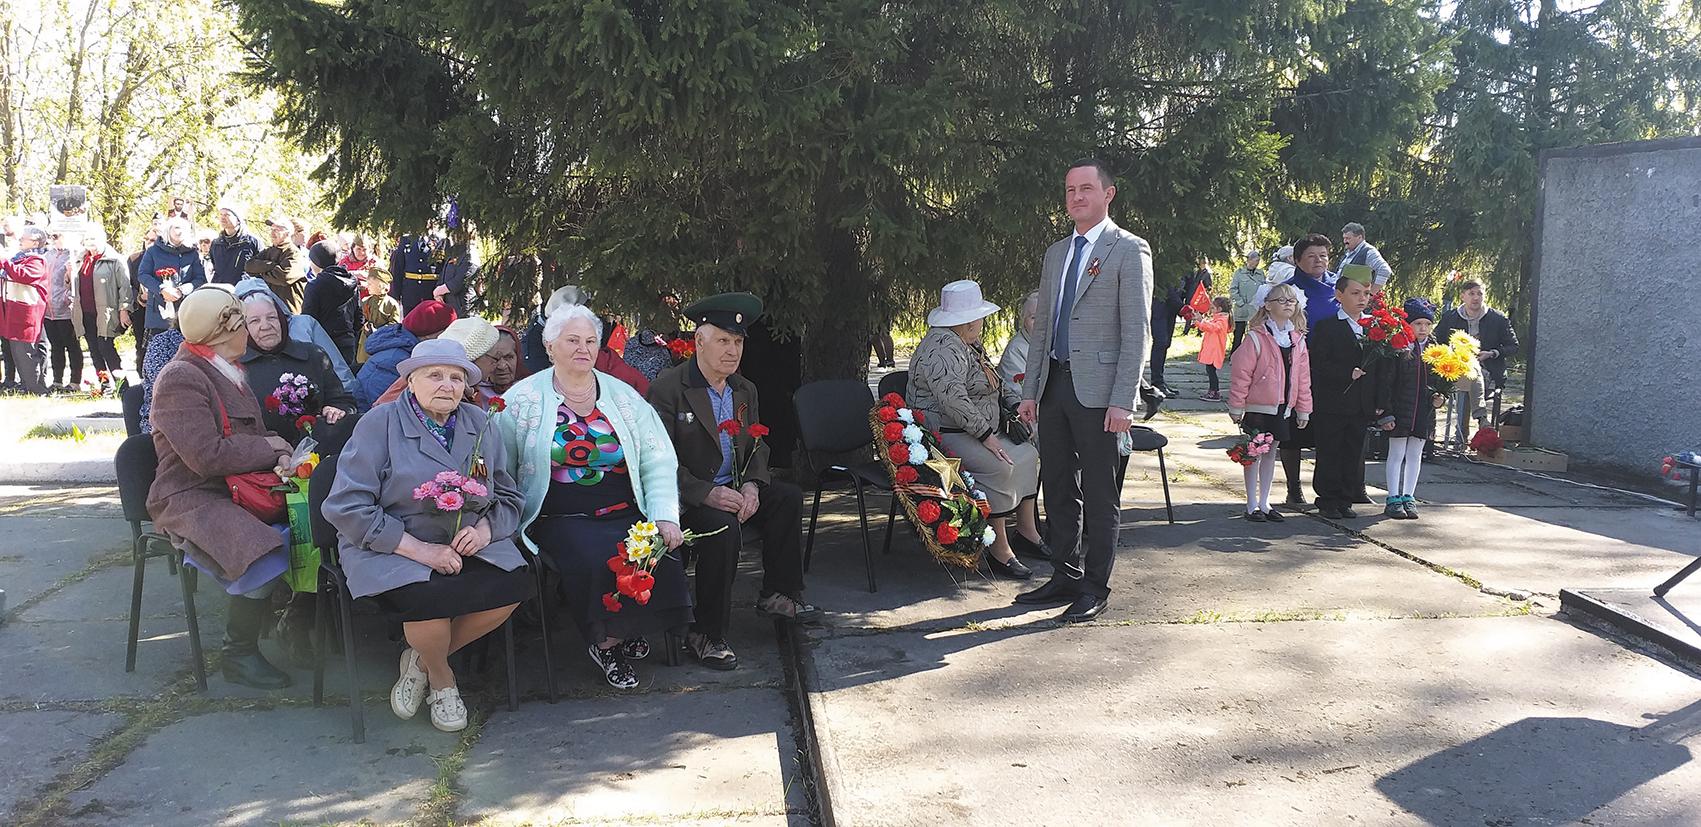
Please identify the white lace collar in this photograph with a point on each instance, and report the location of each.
(1283, 332)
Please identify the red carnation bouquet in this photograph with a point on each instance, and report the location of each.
(1386, 331)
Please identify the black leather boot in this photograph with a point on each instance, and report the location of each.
(241, 660)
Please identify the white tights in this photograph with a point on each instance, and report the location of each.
(1258, 476)
(1405, 460)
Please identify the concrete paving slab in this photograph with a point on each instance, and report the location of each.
(43, 744)
(1544, 550)
(723, 755)
(60, 501)
(1672, 621)
(84, 660)
(269, 767)
(105, 595)
(38, 551)
(1210, 563)
(1265, 723)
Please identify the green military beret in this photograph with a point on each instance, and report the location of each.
(731, 312)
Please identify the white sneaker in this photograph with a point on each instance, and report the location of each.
(447, 711)
(409, 691)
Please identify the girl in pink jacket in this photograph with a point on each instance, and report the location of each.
(1270, 385)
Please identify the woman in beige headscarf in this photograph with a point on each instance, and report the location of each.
(206, 426)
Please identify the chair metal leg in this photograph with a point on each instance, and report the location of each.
(319, 601)
(137, 552)
(891, 520)
(814, 514)
(543, 623)
(1163, 474)
(357, 714)
(513, 674)
(171, 564)
(867, 549)
(187, 579)
(672, 640)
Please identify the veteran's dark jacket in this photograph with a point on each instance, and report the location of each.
(680, 396)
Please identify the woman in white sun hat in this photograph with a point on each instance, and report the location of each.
(956, 386)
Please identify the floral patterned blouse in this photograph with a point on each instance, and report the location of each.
(587, 466)
(955, 385)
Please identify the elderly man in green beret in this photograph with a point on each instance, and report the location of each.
(713, 417)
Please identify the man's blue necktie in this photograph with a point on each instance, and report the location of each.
(1071, 278)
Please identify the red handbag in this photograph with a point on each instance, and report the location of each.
(260, 493)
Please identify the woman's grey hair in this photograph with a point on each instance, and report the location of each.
(1030, 305)
(181, 223)
(260, 297)
(558, 321)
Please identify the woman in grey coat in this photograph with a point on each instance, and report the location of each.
(426, 510)
(955, 385)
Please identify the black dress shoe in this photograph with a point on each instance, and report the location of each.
(1028, 548)
(1255, 516)
(1274, 516)
(1085, 608)
(1151, 398)
(1013, 570)
(1345, 512)
(1328, 512)
(1056, 590)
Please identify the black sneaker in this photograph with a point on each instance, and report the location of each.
(614, 667)
(635, 648)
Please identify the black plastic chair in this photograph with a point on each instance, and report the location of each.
(136, 463)
(832, 419)
(897, 382)
(131, 399)
(1147, 439)
(333, 580)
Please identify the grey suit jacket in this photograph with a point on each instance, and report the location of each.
(1109, 325)
(371, 503)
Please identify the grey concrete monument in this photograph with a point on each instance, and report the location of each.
(1615, 362)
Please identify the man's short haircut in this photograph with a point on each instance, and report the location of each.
(1104, 172)
(1473, 284)
(1312, 240)
(1353, 227)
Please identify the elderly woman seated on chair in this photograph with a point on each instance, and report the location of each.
(425, 511)
(207, 426)
(594, 461)
(956, 386)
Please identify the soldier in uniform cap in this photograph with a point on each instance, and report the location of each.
(724, 482)
(416, 265)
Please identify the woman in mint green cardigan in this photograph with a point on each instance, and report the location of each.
(592, 459)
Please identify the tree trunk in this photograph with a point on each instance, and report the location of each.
(10, 153)
(835, 344)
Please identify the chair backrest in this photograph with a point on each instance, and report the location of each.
(135, 463)
(897, 382)
(332, 438)
(832, 415)
(318, 488)
(131, 399)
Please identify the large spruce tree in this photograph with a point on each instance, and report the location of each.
(837, 157)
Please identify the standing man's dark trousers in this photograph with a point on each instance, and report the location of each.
(779, 518)
(1163, 332)
(1078, 467)
(30, 360)
(1239, 333)
(1339, 475)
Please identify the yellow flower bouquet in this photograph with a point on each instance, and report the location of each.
(1453, 361)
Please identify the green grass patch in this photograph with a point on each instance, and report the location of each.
(45, 431)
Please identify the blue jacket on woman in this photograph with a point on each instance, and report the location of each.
(386, 347)
(159, 256)
(527, 426)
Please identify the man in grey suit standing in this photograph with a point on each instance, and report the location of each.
(1089, 345)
